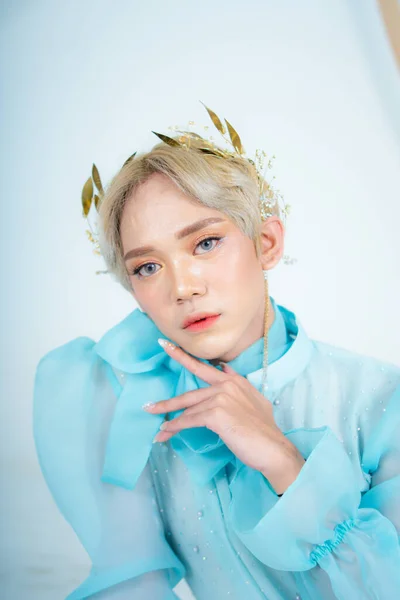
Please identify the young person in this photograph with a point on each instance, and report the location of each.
(277, 473)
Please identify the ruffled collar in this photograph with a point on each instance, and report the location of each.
(151, 375)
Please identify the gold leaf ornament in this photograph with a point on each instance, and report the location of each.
(96, 179)
(213, 151)
(132, 156)
(167, 139)
(235, 139)
(87, 196)
(215, 119)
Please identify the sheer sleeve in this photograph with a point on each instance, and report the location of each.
(323, 521)
(121, 530)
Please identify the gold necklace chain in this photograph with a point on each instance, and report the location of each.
(264, 385)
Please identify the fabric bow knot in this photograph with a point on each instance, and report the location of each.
(152, 375)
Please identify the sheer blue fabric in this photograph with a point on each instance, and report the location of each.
(151, 514)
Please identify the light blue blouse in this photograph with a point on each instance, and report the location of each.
(151, 514)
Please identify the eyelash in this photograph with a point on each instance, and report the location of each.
(135, 272)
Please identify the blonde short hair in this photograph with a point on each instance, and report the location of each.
(226, 184)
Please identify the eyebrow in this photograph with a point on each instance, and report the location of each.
(188, 230)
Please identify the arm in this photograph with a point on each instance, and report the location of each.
(120, 529)
(321, 527)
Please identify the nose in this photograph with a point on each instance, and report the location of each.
(186, 282)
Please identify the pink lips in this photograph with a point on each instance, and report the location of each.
(203, 324)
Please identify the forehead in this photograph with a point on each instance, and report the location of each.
(159, 208)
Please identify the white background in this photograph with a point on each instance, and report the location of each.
(314, 83)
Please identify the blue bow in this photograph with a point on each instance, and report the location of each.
(152, 375)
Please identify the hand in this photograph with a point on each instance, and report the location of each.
(238, 413)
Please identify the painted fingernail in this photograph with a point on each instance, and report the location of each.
(164, 343)
(148, 406)
(163, 426)
(155, 439)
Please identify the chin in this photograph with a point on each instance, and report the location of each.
(199, 352)
(209, 349)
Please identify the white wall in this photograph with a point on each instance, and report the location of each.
(314, 83)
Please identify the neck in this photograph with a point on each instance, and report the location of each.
(259, 333)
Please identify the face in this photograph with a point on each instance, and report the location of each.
(213, 269)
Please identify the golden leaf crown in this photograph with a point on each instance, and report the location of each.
(270, 200)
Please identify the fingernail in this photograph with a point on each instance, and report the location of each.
(163, 343)
(155, 439)
(148, 405)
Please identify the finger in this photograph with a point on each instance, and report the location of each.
(208, 403)
(163, 436)
(207, 373)
(204, 418)
(227, 369)
(178, 424)
(178, 402)
(183, 422)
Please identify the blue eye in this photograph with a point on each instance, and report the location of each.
(138, 270)
(208, 240)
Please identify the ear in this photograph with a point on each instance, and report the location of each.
(272, 237)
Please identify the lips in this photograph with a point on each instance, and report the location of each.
(202, 324)
(197, 317)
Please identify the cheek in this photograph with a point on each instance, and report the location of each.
(238, 265)
(148, 299)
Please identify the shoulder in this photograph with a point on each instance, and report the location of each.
(73, 387)
(364, 383)
(74, 351)
(74, 360)
(357, 367)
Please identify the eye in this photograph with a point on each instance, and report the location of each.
(137, 272)
(208, 239)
